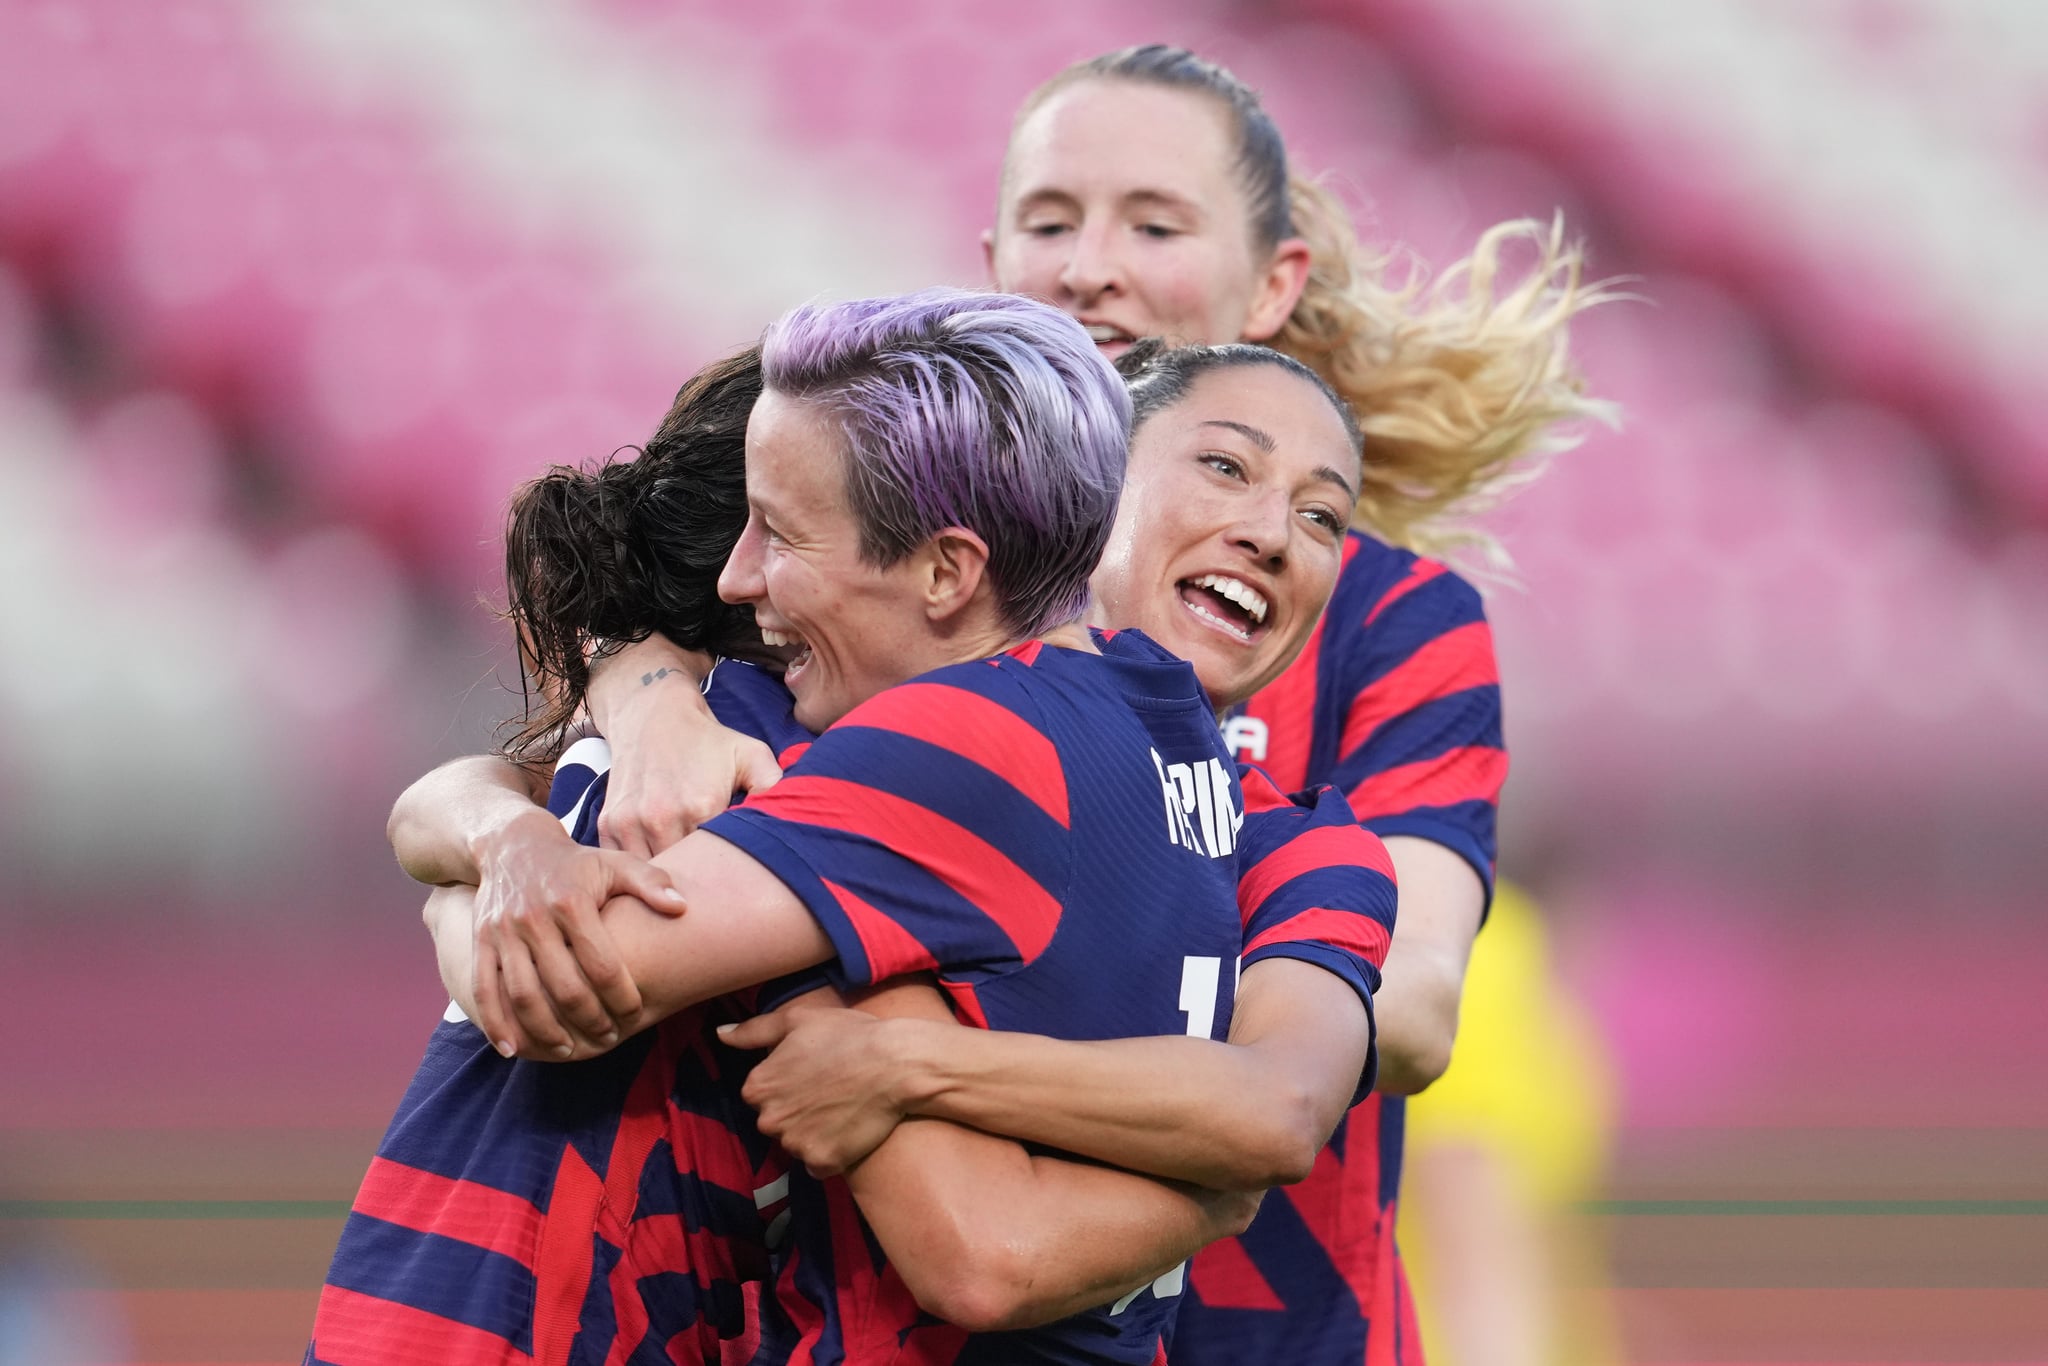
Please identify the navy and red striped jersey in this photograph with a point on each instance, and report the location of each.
(566, 1212)
(1051, 832)
(1395, 701)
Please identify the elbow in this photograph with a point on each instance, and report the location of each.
(985, 1289)
(1411, 1067)
(1283, 1127)
(1235, 1211)
(1296, 1134)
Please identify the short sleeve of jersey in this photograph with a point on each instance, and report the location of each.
(1315, 886)
(1421, 752)
(926, 830)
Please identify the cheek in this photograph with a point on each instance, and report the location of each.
(1024, 265)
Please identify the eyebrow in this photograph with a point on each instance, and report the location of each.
(1325, 473)
(1252, 434)
(1265, 442)
(1141, 198)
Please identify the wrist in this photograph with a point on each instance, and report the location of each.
(651, 671)
(915, 1059)
(496, 842)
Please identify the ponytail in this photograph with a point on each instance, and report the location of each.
(596, 559)
(1462, 386)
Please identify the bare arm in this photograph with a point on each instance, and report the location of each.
(1263, 1104)
(989, 1237)
(1417, 1004)
(744, 926)
(673, 765)
(477, 822)
(438, 824)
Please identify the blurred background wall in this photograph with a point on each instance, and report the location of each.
(291, 295)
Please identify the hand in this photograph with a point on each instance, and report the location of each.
(826, 1090)
(547, 980)
(673, 766)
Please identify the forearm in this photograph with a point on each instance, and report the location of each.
(1417, 1012)
(628, 679)
(1416, 1007)
(450, 919)
(439, 824)
(990, 1238)
(743, 926)
(1131, 1102)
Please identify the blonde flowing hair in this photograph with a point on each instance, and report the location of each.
(1463, 384)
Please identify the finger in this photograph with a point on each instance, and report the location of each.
(618, 828)
(535, 1018)
(491, 1015)
(599, 964)
(666, 828)
(758, 770)
(631, 876)
(763, 1031)
(571, 997)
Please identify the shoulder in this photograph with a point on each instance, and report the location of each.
(938, 703)
(1378, 579)
(954, 728)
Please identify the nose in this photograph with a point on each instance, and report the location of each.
(742, 580)
(1093, 267)
(1262, 527)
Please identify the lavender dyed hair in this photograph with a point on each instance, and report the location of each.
(985, 411)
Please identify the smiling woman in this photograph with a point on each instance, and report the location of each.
(1244, 467)
(920, 470)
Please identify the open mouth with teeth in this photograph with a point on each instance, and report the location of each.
(793, 648)
(1103, 334)
(1224, 604)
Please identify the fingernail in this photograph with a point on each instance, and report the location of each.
(565, 1050)
(609, 1037)
(726, 1029)
(505, 1047)
(672, 894)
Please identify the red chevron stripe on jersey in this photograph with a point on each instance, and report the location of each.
(1455, 661)
(359, 1330)
(1346, 930)
(1325, 847)
(1419, 573)
(1223, 1275)
(474, 1213)
(975, 869)
(892, 950)
(562, 1265)
(975, 728)
(1463, 775)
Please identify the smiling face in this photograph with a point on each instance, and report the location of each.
(1231, 532)
(1121, 204)
(854, 629)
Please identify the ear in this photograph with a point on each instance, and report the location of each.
(1279, 290)
(988, 256)
(954, 569)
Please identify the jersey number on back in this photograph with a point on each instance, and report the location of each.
(1199, 981)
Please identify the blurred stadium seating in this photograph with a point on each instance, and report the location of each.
(292, 295)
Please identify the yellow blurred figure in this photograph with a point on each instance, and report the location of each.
(1501, 1152)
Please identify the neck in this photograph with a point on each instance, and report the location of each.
(1073, 636)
